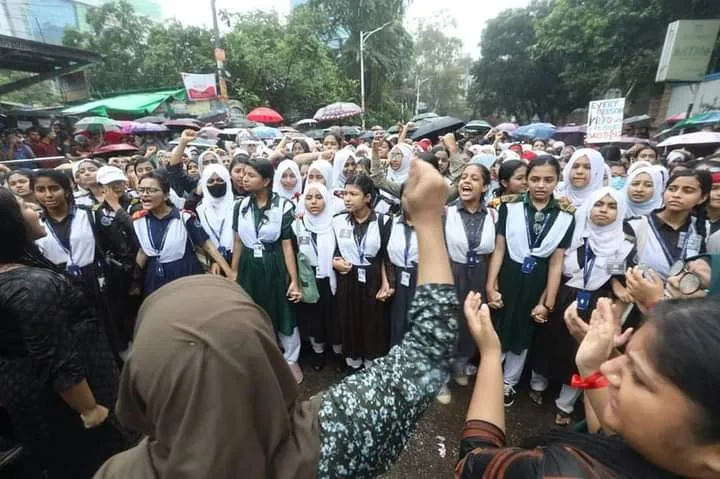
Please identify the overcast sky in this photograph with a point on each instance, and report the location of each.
(470, 16)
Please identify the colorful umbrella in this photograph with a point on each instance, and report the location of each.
(182, 124)
(337, 111)
(507, 127)
(96, 124)
(109, 149)
(676, 117)
(703, 119)
(152, 119)
(266, 132)
(535, 130)
(137, 128)
(265, 115)
(697, 138)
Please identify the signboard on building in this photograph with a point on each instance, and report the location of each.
(687, 50)
(73, 87)
(605, 120)
(199, 86)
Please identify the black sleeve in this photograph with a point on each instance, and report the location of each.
(180, 181)
(567, 239)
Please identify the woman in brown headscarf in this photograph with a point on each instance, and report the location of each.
(208, 385)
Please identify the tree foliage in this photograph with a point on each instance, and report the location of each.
(557, 55)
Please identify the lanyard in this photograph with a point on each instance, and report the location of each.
(666, 251)
(217, 235)
(588, 264)
(408, 237)
(158, 250)
(361, 244)
(68, 250)
(538, 238)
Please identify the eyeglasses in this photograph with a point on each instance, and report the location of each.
(149, 191)
(689, 282)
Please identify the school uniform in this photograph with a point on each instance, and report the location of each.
(470, 239)
(387, 203)
(261, 270)
(168, 243)
(316, 321)
(659, 245)
(364, 320)
(531, 238)
(216, 214)
(402, 253)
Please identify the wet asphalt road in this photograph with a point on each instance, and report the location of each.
(421, 458)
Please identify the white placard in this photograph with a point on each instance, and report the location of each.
(605, 120)
(687, 50)
(199, 86)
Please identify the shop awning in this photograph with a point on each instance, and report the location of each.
(139, 104)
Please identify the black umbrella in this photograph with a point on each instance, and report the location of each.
(152, 119)
(433, 128)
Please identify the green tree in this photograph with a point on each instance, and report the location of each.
(611, 43)
(387, 53)
(287, 66)
(507, 80)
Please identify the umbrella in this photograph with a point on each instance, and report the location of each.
(639, 120)
(266, 132)
(676, 117)
(571, 135)
(95, 124)
(151, 119)
(209, 132)
(703, 119)
(508, 127)
(265, 115)
(476, 125)
(240, 121)
(535, 130)
(118, 148)
(307, 122)
(697, 138)
(626, 140)
(287, 129)
(564, 130)
(424, 116)
(436, 127)
(315, 134)
(337, 111)
(199, 143)
(182, 124)
(344, 130)
(135, 128)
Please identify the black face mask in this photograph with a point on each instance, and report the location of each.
(217, 190)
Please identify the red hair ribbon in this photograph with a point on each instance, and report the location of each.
(595, 381)
(716, 178)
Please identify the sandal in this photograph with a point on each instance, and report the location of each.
(536, 397)
(562, 418)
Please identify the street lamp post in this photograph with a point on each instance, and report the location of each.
(363, 38)
(417, 95)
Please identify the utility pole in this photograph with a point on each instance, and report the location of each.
(363, 38)
(219, 55)
(417, 94)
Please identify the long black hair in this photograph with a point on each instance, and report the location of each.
(15, 245)
(506, 171)
(62, 180)
(704, 179)
(23, 172)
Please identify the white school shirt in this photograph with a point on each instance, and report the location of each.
(176, 237)
(516, 233)
(82, 241)
(456, 237)
(370, 244)
(398, 244)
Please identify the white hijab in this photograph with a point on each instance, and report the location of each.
(597, 174)
(277, 180)
(401, 174)
(655, 202)
(603, 240)
(325, 168)
(201, 159)
(322, 225)
(213, 211)
(341, 157)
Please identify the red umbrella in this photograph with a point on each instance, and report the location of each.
(121, 147)
(265, 115)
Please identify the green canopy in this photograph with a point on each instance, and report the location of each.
(132, 104)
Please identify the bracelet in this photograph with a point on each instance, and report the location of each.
(595, 381)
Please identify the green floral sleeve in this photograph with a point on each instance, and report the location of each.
(366, 420)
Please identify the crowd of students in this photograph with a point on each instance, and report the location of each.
(324, 243)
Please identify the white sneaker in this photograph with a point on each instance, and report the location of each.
(509, 394)
(461, 379)
(444, 396)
